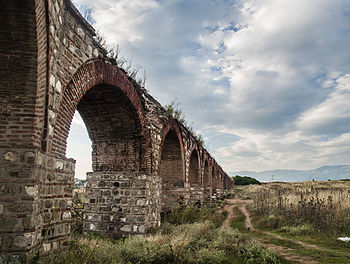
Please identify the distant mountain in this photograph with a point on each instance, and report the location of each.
(321, 174)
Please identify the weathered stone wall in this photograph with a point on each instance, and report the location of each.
(122, 203)
(36, 191)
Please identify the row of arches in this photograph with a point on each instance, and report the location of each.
(116, 122)
(187, 168)
(202, 169)
(124, 145)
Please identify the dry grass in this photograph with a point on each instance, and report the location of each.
(325, 205)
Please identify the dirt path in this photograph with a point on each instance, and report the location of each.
(231, 203)
(230, 215)
(286, 252)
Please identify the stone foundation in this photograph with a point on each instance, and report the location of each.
(197, 194)
(207, 195)
(174, 194)
(121, 203)
(35, 200)
(219, 193)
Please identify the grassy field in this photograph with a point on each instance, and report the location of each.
(306, 207)
(187, 235)
(303, 218)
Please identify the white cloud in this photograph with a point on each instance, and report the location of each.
(270, 78)
(332, 116)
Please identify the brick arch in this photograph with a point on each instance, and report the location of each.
(214, 176)
(225, 183)
(220, 180)
(206, 173)
(194, 176)
(171, 134)
(92, 76)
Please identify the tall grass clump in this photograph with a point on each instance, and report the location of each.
(325, 206)
(180, 214)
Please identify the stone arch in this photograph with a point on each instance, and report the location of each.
(225, 186)
(113, 114)
(207, 181)
(171, 165)
(194, 168)
(213, 177)
(206, 174)
(171, 153)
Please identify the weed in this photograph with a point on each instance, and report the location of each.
(324, 205)
(298, 230)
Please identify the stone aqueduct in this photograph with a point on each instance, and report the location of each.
(143, 160)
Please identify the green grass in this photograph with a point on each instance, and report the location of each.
(239, 221)
(331, 250)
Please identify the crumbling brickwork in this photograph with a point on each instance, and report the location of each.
(143, 160)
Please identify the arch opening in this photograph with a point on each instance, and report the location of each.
(114, 129)
(194, 176)
(206, 183)
(171, 171)
(214, 184)
(206, 178)
(213, 178)
(79, 146)
(171, 167)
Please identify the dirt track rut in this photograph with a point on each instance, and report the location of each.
(286, 252)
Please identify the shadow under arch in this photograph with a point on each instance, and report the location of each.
(194, 178)
(206, 174)
(194, 169)
(171, 165)
(214, 183)
(207, 183)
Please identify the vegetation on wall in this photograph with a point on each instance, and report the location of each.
(174, 110)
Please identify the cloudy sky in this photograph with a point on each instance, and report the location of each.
(266, 82)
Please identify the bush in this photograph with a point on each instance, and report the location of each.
(207, 256)
(77, 213)
(178, 215)
(245, 180)
(254, 253)
(298, 230)
(270, 221)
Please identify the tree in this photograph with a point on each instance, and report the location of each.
(245, 180)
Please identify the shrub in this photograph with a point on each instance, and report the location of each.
(77, 213)
(254, 253)
(245, 180)
(298, 230)
(208, 256)
(178, 215)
